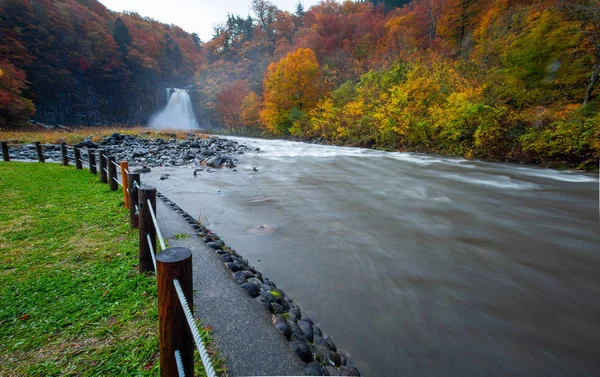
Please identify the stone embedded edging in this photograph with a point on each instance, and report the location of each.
(311, 345)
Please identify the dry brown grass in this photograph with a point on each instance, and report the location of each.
(75, 135)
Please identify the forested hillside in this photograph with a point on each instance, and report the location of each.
(500, 79)
(79, 63)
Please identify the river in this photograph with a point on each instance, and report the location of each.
(417, 265)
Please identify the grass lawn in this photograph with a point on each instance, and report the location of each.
(71, 300)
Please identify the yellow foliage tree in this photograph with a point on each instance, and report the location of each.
(291, 83)
(250, 111)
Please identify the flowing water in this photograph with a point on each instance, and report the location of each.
(177, 114)
(418, 265)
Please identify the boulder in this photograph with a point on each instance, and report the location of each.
(314, 369)
(302, 350)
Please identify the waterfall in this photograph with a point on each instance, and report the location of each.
(178, 114)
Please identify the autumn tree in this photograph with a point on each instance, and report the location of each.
(541, 64)
(250, 111)
(15, 110)
(588, 12)
(434, 11)
(266, 14)
(229, 103)
(291, 85)
(389, 4)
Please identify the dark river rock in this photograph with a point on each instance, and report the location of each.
(416, 265)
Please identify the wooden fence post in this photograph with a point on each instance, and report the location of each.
(124, 165)
(102, 166)
(146, 227)
(5, 155)
(132, 179)
(40, 153)
(63, 152)
(77, 153)
(175, 334)
(112, 173)
(92, 161)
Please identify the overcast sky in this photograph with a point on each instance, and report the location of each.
(195, 15)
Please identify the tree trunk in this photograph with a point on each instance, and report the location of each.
(593, 80)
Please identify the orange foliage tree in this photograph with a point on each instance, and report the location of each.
(250, 111)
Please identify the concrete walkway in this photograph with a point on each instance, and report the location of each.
(242, 328)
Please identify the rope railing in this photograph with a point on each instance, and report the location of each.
(210, 371)
(180, 369)
(142, 208)
(158, 233)
(174, 272)
(173, 265)
(152, 253)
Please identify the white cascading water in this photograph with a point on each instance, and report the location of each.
(178, 114)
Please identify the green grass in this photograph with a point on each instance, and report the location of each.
(71, 300)
(180, 236)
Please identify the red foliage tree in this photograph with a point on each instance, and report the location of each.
(229, 102)
(15, 110)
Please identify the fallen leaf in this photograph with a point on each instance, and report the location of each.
(24, 317)
(105, 293)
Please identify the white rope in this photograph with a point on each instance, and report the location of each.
(210, 371)
(151, 250)
(116, 180)
(106, 170)
(160, 237)
(114, 163)
(179, 362)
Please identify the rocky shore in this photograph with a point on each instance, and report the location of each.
(213, 152)
(313, 347)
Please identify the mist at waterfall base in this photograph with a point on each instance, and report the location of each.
(178, 114)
